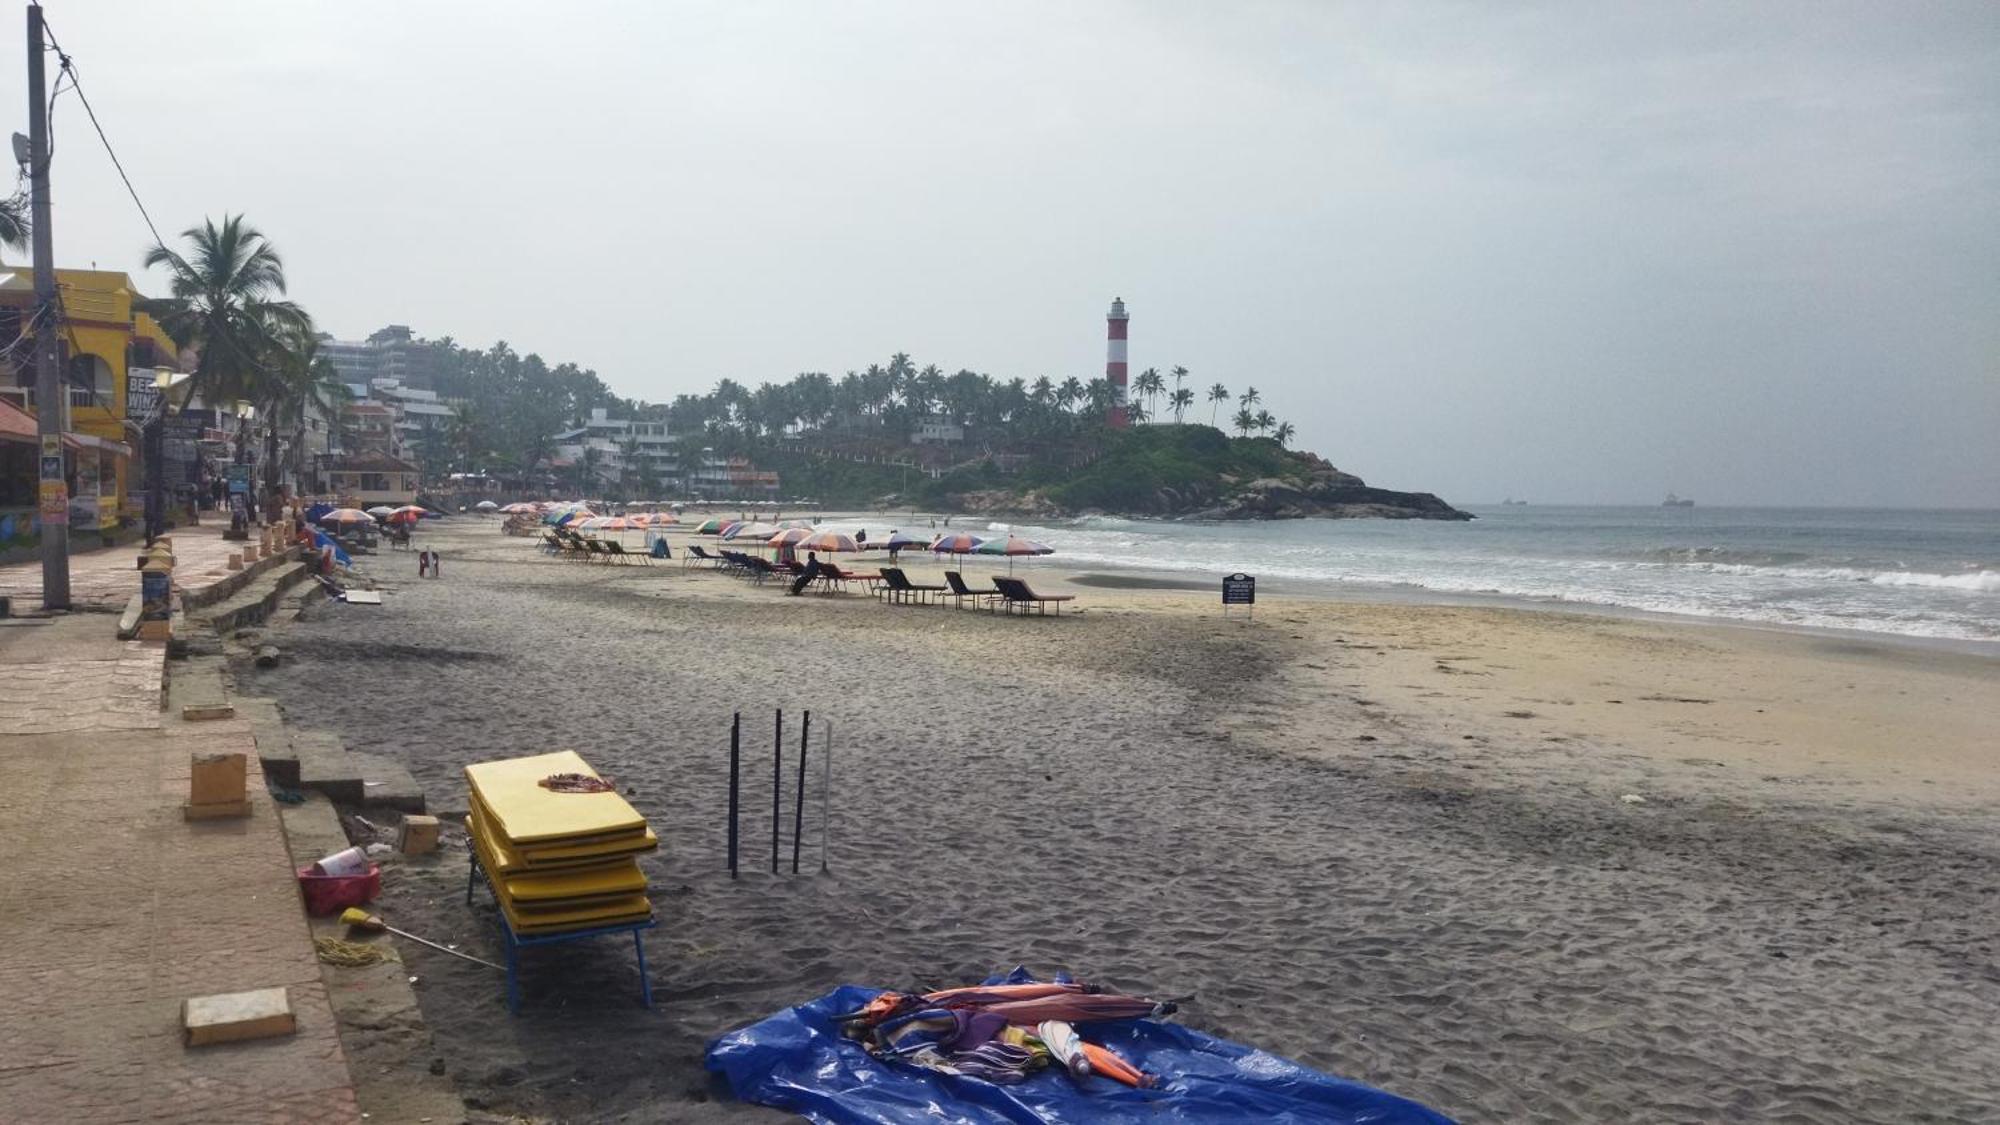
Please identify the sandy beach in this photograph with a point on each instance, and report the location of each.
(1518, 865)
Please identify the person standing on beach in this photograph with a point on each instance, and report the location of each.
(423, 564)
(437, 565)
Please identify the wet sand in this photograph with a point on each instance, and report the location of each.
(1391, 841)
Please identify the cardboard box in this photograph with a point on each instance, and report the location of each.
(419, 836)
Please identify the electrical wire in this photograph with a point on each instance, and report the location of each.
(69, 69)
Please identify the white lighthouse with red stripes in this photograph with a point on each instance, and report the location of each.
(1114, 360)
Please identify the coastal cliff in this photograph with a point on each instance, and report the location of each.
(1198, 473)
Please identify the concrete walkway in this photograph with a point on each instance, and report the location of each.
(102, 580)
(113, 909)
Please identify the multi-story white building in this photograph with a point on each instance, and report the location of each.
(615, 446)
(392, 353)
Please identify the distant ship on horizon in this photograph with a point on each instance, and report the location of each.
(1510, 502)
(1673, 501)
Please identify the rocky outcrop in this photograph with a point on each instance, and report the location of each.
(1282, 500)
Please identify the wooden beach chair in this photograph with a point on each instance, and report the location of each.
(1015, 593)
(901, 589)
(960, 591)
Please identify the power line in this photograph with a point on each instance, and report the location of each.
(69, 69)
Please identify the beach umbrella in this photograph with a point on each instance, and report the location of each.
(408, 513)
(1013, 546)
(654, 519)
(710, 527)
(827, 542)
(487, 506)
(789, 537)
(898, 541)
(381, 510)
(749, 529)
(956, 543)
(346, 516)
(520, 508)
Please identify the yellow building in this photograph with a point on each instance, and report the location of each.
(104, 339)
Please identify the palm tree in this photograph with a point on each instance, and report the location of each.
(1149, 384)
(1135, 412)
(303, 383)
(1243, 421)
(1284, 433)
(1070, 392)
(464, 430)
(14, 229)
(1217, 393)
(1180, 400)
(226, 305)
(1249, 397)
(1264, 421)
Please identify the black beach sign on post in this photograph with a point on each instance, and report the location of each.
(1239, 589)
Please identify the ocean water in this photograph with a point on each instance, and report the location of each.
(1916, 573)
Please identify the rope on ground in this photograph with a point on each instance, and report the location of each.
(351, 954)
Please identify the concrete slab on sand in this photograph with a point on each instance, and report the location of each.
(262, 1013)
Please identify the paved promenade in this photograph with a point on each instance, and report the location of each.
(102, 580)
(113, 909)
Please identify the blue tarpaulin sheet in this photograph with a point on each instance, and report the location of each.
(797, 1060)
(323, 541)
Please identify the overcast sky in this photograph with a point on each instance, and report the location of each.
(1587, 252)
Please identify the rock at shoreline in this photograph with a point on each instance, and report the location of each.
(1316, 490)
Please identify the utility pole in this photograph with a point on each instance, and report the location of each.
(53, 495)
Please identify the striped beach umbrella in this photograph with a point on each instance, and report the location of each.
(346, 516)
(955, 543)
(1013, 546)
(827, 542)
(749, 529)
(709, 527)
(789, 537)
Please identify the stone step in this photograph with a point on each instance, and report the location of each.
(253, 602)
(323, 763)
(385, 783)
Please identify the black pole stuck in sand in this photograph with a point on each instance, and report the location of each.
(777, 784)
(799, 798)
(825, 792)
(735, 760)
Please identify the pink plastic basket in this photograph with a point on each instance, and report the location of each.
(330, 894)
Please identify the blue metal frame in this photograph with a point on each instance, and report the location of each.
(515, 942)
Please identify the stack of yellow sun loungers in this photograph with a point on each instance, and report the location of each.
(557, 861)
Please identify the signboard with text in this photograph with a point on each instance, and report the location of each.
(1239, 589)
(239, 480)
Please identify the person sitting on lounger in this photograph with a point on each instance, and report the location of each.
(807, 575)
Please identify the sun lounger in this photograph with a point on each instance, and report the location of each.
(1015, 593)
(901, 589)
(695, 554)
(838, 578)
(960, 591)
(620, 554)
